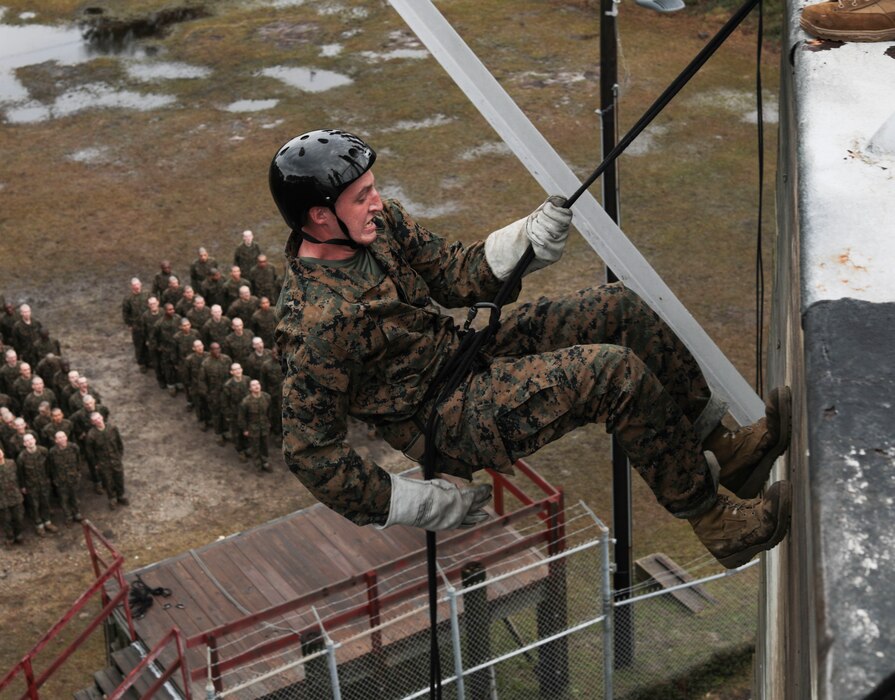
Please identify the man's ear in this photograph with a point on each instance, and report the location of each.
(318, 215)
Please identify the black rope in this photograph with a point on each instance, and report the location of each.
(759, 254)
(139, 598)
(473, 340)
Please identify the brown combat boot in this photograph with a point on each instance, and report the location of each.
(50, 527)
(746, 455)
(734, 531)
(851, 20)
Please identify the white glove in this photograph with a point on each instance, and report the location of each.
(546, 229)
(436, 504)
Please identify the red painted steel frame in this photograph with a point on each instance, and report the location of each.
(135, 673)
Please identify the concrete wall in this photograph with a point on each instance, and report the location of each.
(828, 604)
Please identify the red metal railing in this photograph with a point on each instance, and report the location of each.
(105, 570)
(549, 508)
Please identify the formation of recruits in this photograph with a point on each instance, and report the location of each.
(52, 422)
(213, 340)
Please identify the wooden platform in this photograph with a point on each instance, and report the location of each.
(294, 556)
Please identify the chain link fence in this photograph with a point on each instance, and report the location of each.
(541, 624)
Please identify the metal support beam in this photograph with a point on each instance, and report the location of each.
(555, 177)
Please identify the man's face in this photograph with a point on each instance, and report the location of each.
(257, 345)
(236, 371)
(29, 443)
(188, 293)
(169, 310)
(90, 404)
(37, 385)
(262, 261)
(25, 370)
(60, 440)
(25, 312)
(245, 293)
(83, 385)
(235, 272)
(11, 358)
(73, 377)
(215, 350)
(236, 326)
(247, 237)
(153, 305)
(265, 303)
(97, 421)
(136, 287)
(255, 387)
(56, 415)
(357, 206)
(216, 312)
(203, 255)
(199, 304)
(198, 347)
(166, 267)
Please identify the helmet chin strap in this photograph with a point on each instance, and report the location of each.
(347, 241)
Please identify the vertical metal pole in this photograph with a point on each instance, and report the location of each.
(333, 668)
(455, 637)
(608, 626)
(621, 472)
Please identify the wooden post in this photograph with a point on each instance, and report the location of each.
(553, 657)
(316, 683)
(477, 619)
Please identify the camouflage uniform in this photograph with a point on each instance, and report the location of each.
(12, 512)
(254, 362)
(183, 348)
(24, 340)
(238, 346)
(199, 270)
(213, 373)
(105, 449)
(215, 331)
(184, 305)
(264, 324)
(148, 320)
(272, 383)
(166, 330)
(47, 369)
(243, 309)
(7, 321)
(34, 476)
(265, 282)
(48, 433)
(254, 418)
(192, 382)
(215, 292)
(76, 399)
(198, 317)
(81, 426)
(371, 349)
(31, 404)
(65, 473)
(160, 282)
(231, 291)
(245, 256)
(8, 376)
(232, 394)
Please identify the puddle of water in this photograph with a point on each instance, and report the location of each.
(148, 72)
(91, 96)
(251, 105)
(437, 120)
(375, 57)
(330, 50)
(307, 79)
(494, 148)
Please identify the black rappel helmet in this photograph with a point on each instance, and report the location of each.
(313, 169)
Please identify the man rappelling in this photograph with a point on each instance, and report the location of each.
(362, 334)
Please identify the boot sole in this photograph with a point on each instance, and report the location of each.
(848, 34)
(759, 476)
(783, 492)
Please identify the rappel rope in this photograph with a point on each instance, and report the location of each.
(473, 340)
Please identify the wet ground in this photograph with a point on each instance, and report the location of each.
(117, 154)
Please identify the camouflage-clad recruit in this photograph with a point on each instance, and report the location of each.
(362, 335)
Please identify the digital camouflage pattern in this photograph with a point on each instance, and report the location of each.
(264, 325)
(213, 373)
(370, 349)
(215, 331)
(105, 449)
(65, 473)
(34, 476)
(200, 270)
(12, 512)
(254, 419)
(245, 256)
(238, 346)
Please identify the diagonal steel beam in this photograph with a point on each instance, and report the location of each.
(555, 177)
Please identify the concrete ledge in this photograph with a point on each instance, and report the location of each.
(850, 391)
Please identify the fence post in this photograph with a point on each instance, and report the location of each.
(455, 639)
(478, 628)
(608, 619)
(553, 657)
(316, 671)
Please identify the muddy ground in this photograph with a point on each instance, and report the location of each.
(91, 197)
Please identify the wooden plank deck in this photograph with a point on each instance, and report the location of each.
(298, 554)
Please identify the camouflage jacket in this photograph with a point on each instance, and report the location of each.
(34, 473)
(215, 332)
(48, 432)
(254, 414)
(65, 464)
(265, 282)
(238, 346)
(233, 393)
(369, 350)
(264, 324)
(10, 490)
(199, 270)
(192, 368)
(133, 307)
(104, 447)
(213, 373)
(253, 363)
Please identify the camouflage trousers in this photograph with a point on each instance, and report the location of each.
(67, 491)
(600, 355)
(38, 502)
(112, 474)
(11, 520)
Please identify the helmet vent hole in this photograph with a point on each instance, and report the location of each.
(301, 151)
(352, 152)
(323, 140)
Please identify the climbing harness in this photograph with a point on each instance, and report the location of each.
(474, 340)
